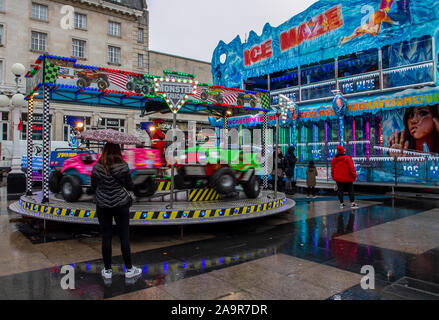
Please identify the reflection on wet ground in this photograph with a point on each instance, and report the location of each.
(315, 251)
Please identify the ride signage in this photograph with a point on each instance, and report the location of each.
(175, 91)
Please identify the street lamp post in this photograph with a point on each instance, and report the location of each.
(16, 180)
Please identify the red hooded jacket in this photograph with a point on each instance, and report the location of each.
(342, 169)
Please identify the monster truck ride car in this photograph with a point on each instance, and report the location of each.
(75, 174)
(216, 94)
(220, 169)
(87, 77)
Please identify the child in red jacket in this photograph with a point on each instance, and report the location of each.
(344, 174)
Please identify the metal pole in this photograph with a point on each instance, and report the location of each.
(174, 124)
(276, 156)
(30, 144)
(264, 150)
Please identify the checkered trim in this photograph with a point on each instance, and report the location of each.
(264, 149)
(265, 100)
(51, 72)
(46, 143)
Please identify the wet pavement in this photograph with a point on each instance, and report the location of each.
(314, 251)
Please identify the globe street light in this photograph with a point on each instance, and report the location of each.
(16, 181)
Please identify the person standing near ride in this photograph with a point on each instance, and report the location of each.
(110, 179)
(311, 180)
(290, 165)
(280, 169)
(344, 174)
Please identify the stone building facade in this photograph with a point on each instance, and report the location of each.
(159, 61)
(107, 33)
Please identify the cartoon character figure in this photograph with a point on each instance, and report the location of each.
(421, 127)
(158, 137)
(373, 27)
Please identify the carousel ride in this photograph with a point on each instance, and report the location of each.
(201, 184)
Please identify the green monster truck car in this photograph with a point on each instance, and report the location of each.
(139, 84)
(216, 94)
(220, 169)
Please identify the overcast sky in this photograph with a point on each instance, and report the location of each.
(193, 28)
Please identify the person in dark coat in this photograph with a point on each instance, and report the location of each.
(311, 180)
(290, 165)
(344, 174)
(110, 179)
(280, 169)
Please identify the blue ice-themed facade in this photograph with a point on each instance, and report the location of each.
(379, 55)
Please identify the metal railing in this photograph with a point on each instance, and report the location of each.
(380, 167)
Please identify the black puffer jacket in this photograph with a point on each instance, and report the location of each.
(109, 187)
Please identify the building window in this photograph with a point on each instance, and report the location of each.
(115, 124)
(2, 5)
(113, 55)
(4, 125)
(37, 126)
(68, 130)
(140, 60)
(39, 11)
(1, 33)
(80, 21)
(114, 28)
(140, 35)
(38, 41)
(78, 48)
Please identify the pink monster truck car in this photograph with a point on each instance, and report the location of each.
(75, 174)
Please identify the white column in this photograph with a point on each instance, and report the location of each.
(16, 158)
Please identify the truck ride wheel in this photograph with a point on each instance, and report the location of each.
(130, 86)
(240, 101)
(204, 95)
(182, 182)
(81, 82)
(253, 103)
(223, 180)
(252, 187)
(220, 98)
(102, 84)
(146, 188)
(145, 89)
(71, 188)
(54, 181)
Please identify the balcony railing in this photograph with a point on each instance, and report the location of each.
(406, 76)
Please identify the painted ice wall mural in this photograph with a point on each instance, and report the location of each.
(326, 30)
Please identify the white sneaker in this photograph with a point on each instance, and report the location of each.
(342, 206)
(354, 206)
(107, 273)
(133, 272)
(314, 197)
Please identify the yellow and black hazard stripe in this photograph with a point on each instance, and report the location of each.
(79, 213)
(164, 185)
(206, 194)
(157, 215)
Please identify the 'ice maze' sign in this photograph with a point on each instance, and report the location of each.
(175, 92)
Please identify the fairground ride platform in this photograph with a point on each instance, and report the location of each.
(158, 213)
